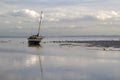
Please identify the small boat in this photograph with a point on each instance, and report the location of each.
(36, 39)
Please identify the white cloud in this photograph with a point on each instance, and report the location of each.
(81, 13)
(72, 26)
(30, 13)
(19, 22)
(69, 13)
(58, 13)
(104, 15)
(7, 22)
(24, 13)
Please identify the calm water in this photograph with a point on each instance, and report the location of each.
(53, 61)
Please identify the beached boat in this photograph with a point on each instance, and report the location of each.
(36, 39)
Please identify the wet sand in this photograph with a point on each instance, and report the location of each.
(100, 43)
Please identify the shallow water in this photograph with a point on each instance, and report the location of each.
(53, 61)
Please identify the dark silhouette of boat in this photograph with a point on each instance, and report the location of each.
(36, 39)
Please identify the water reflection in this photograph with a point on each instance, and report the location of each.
(41, 68)
(101, 65)
(36, 45)
(19, 67)
(12, 61)
(31, 60)
(56, 62)
(85, 68)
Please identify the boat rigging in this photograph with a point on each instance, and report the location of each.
(36, 39)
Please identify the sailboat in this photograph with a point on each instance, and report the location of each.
(36, 39)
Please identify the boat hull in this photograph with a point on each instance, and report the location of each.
(34, 41)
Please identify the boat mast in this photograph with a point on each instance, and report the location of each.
(40, 23)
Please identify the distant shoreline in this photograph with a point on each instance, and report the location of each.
(63, 36)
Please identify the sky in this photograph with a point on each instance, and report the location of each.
(60, 17)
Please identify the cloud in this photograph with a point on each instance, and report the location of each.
(24, 13)
(60, 13)
(68, 13)
(104, 15)
(30, 13)
(7, 22)
(81, 13)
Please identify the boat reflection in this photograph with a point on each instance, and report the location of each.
(34, 45)
(41, 68)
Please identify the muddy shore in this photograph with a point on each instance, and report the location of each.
(99, 43)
